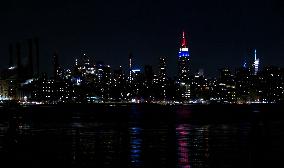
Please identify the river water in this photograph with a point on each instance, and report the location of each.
(143, 135)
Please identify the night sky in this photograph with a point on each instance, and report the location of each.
(219, 32)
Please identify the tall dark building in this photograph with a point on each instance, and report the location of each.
(162, 69)
(55, 62)
(11, 56)
(36, 41)
(149, 74)
(226, 87)
(19, 60)
(148, 82)
(162, 77)
(86, 61)
(118, 84)
(130, 58)
(30, 69)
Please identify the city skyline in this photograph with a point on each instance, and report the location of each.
(219, 33)
(90, 81)
(27, 53)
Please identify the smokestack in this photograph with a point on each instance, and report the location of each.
(55, 64)
(30, 57)
(18, 53)
(37, 54)
(11, 55)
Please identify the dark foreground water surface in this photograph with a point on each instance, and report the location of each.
(195, 136)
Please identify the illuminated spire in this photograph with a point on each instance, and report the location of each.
(256, 63)
(254, 54)
(183, 51)
(183, 42)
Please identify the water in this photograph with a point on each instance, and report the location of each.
(142, 136)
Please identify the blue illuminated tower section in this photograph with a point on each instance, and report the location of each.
(183, 70)
(183, 61)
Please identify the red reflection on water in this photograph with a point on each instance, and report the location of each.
(182, 132)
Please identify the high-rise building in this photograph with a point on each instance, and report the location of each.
(118, 84)
(149, 74)
(105, 73)
(255, 63)
(226, 86)
(183, 69)
(162, 69)
(162, 77)
(136, 83)
(11, 59)
(148, 83)
(130, 58)
(183, 61)
(55, 61)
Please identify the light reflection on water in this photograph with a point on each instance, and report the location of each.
(192, 145)
(183, 145)
(135, 146)
(139, 141)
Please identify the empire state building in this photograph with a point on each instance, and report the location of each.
(183, 61)
(183, 70)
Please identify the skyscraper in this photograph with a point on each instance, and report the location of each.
(55, 62)
(183, 61)
(11, 56)
(130, 58)
(162, 77)
(255, 63)
(162, 69)
(183, 69)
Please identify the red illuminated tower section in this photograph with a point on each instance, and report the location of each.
(183, 42)
(183, 68)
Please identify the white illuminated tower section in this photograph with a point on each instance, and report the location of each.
(256, 63)
(183, 68)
